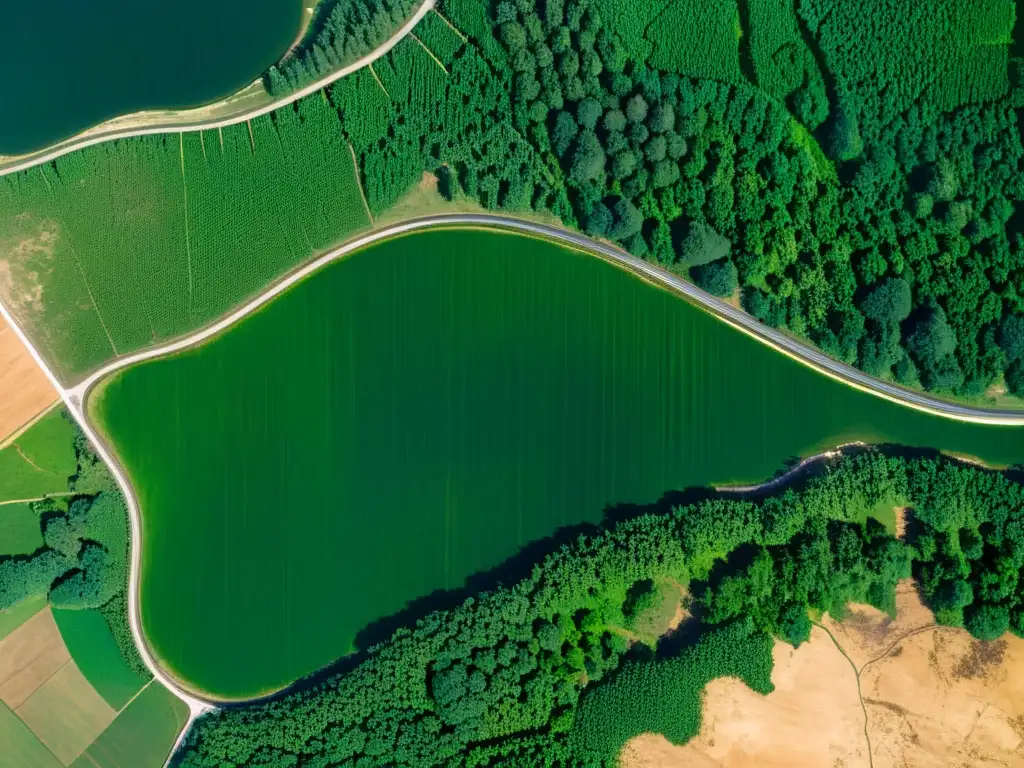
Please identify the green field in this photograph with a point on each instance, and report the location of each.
(20, 747)
(13, 618)
(91, 644)
(146, 239)
(141, 736)
(39, 461)
(432, 405)
(20, 532)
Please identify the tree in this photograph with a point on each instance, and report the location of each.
(636, 109)
(513, 35)
(564, 133)
(845, 141)
(795, 624)
(1011, 338)
(588, 160)
(600, 220)
(662, 118)
(932, 338)
(702, 245)
(987, 621)
(889, 302)
(588, 113)
(1015, 378)
(614, 120)
(628, 220)
(719, 278)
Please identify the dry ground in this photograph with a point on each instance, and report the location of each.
(934, 697)
(24, 391)
(29, 656)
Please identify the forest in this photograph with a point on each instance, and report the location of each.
(83, 560)
(564, 665)
(851, 184)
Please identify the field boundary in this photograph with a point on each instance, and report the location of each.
(25, 162)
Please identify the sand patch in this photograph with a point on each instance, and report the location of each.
(66, 713)
(29, 656)
(942, 698)
(25, 392)
(934, 697)
(812, 719)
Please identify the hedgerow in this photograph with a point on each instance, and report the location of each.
(528, 674)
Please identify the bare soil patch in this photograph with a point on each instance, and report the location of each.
(933, 696)
(29, 656)
(812, 719)
(25, 392)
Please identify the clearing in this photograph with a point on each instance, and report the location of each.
(934, 697)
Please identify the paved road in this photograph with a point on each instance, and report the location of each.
(75, 397)
(735, 317)
(101, 136)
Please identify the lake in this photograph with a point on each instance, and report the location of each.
(71, 64)
(416, 414)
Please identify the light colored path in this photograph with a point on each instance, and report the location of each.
(101, 136)
(74, 397)
(739, 319)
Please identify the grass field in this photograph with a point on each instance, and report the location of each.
(39, 461)
(92, 646)
(141, 736)
(446, 398)
(20, 532)
(65, 691)
(11, 619)
(66, 713)
(126, 244)
(19, 747)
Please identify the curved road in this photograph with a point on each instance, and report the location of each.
(100, 136)
(75, 397)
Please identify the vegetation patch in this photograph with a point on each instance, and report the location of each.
(22, 749)
(141, 736)
(66, 713)
(533, 672)
(20, 529)
(91, 644)
(39, 461)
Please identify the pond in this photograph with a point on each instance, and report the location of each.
(420, 411)
(71, 64)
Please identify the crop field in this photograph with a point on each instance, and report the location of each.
(142, 734)
(435, 425)
(39, 461)
(20, 530)
(22, 749)
(133, 242)
(67, 697)
(92, 646)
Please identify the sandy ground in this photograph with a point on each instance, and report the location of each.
(25, 392)
(934, 697)
(812, 719)
(29, 656)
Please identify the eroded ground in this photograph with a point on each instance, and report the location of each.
(933, 697)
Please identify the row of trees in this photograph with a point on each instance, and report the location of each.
(499, 678)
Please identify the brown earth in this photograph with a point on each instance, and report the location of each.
(25, 392)
(29, 656)
(933, 696)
